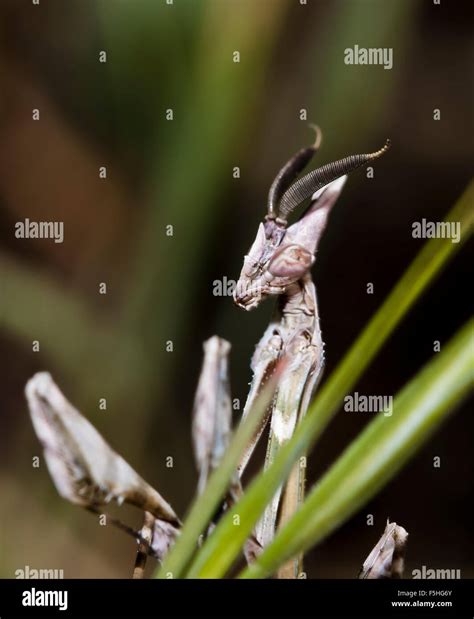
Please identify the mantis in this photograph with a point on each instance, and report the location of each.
(89, 473)
(279, 264)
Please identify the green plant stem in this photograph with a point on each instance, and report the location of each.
(222, 547)
(377, 455)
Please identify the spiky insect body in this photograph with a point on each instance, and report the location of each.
(279, 264)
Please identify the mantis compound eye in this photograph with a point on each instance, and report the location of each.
(291, 261)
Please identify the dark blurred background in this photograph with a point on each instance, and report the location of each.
(180, 173)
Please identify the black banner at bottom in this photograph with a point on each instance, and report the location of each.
(236, 598)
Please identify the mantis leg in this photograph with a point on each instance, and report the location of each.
(264, 360)
(285, 415)
(294, 491)
(303, 347)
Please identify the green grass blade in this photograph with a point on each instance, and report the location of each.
(207, 503)
(220, 550)
(376, 456)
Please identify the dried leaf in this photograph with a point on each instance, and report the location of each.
(84, 468)
(212, 409)
(387, 557)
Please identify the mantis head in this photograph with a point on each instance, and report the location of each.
(281, 255)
